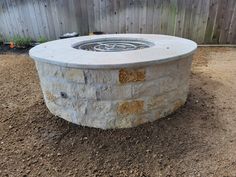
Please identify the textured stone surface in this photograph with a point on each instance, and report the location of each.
(115, 98)
(130, 107)
(114, 92)
(75, 75)
(102, 76)
(131, 75)
(147, 88)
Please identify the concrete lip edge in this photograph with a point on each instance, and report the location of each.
(78, 58)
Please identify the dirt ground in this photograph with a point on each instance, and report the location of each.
(197, 140)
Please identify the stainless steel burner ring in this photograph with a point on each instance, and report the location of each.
(113, 45)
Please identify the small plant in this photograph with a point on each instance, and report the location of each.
(22, 42)
(8, 39)
(1, 39)
(42, 39)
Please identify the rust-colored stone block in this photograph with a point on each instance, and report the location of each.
(131, 75)
(130, 107)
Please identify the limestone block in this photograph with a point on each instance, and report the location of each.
(114, 92)
(96, 108)
(47, 70)
(184, 70)
(80, 106)
(102, 76)
(168, 83)
(50, 70)
(75, 75)
(145, 88)
(185, 63)
(82, 91)
(70, 89)
(156, 102)
(130, 107)
(59, 111)
(161, 70)
(131, 75)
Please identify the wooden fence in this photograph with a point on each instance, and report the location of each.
(205, 21)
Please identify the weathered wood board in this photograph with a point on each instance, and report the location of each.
(204, 21)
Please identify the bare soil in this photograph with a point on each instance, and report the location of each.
(198, 140)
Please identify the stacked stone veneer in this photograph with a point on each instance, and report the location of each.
(115, 98)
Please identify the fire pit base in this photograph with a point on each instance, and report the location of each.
(115, 96)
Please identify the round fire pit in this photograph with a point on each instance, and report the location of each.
(114, 81)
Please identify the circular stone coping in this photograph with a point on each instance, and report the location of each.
(62, 52)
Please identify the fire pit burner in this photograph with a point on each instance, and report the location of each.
(113, 45)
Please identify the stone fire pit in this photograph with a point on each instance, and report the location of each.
(114, 81)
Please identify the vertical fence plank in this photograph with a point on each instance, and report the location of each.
(187, 18)
(135, 16)
(130, 15)
(157, 16)
(84, 17)
(164, 17)
(11, 26)
(150, 13)
(54, 19)
(4, 26)
(33, 20)
(66, 14)
(231, 38)
(103, 19)
(43, 18)
(211, 21)
(16, 16)
(180, 15)
(23, 24)
(195, 18)
(172, 10)
(202, 23)
(226, 20)
(90, 14)
(78, 16)
(110, 16)
(143, 15)
(122, 16)
(127, 16)
(50, 20)
(11, 19)
(219, 20)
(72, 16)
(39, 21)
(116, 16)
(97, 15)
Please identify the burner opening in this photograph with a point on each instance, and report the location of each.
(113, 45)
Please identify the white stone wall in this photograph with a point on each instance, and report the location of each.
(115, 98)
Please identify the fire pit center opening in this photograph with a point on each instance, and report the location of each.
(114, 81)
(113, 45)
